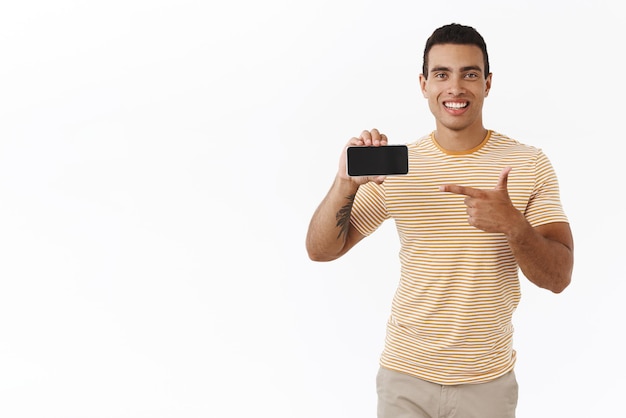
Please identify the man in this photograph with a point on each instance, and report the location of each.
(475, 207)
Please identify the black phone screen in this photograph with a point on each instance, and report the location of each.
(377, 161)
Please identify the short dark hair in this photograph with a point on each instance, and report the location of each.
(455, 33)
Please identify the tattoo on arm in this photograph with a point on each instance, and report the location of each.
(343, 216)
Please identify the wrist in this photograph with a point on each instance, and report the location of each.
(519, 229)
(346, 184)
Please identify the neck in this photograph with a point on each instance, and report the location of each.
(459, 141)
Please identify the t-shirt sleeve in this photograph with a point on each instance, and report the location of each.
(545, 205)
(369, 210)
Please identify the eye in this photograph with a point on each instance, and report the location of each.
(471, 75)
(440, 75)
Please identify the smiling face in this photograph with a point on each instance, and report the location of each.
(456, 86)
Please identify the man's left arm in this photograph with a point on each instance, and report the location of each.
(544, 253)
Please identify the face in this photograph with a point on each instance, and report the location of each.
(456, 86)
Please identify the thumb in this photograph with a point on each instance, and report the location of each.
(503, 180)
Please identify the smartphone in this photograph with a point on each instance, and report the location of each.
(385, 160)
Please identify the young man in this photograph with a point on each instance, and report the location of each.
(475, 207)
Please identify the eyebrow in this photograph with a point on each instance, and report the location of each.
(463, 69)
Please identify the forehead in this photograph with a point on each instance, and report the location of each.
(455, 56)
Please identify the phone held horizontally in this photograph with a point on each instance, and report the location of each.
(385, 160)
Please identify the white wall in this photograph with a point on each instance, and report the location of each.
(160, 161)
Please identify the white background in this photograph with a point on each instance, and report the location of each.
(159, 164)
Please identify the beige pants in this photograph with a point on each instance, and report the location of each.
(403, 396)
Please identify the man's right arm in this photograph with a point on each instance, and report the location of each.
(330, 233)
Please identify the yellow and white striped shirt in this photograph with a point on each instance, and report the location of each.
(451, 316)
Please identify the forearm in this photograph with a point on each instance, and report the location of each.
(330, 225)
(544, 254)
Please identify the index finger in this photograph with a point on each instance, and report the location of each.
(456, 189)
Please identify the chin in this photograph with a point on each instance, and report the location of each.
(457, 127)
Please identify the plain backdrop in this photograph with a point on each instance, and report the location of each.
(160, 162)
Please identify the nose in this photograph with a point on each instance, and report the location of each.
(455, 86)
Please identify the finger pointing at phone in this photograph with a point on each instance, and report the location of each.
(489, 210)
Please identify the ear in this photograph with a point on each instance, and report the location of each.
(488, 84)
(423, 85)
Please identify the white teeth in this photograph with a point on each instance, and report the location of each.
(454, 105)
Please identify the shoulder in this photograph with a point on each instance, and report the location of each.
(499, 141)
(423, 144)
(503, 139)
(421, 141)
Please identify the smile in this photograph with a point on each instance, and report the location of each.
(456, 105)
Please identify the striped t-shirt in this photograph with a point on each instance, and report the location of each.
(451, 316)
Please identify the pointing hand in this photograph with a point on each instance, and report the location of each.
(489, 210)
